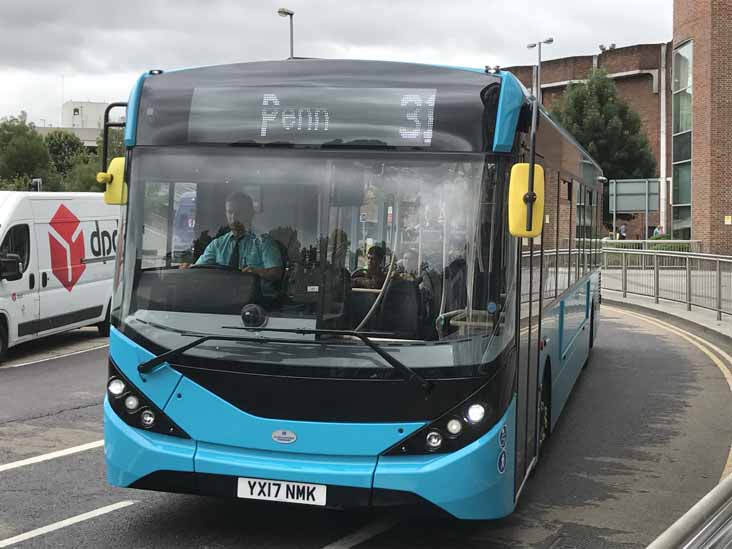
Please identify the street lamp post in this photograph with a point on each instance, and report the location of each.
(537, 45)
(284, 12)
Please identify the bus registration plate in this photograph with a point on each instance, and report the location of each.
(279, 490)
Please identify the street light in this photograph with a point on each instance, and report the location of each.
(284, 12)
(537, 45)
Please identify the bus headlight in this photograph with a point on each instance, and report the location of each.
(466, 421)
(147, 418)
(476, 413)
(116, 387)
(132, 403)
(454, 427)
(434, 440)
(135, 409)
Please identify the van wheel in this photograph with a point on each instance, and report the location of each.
(103, 326)
(3, 343)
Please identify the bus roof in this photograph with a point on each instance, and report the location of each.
(474, 110)
(178, 104)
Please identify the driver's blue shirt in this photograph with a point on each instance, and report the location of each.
(260, 253)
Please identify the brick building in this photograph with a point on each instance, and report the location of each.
(682, 92)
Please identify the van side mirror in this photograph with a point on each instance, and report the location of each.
(113, 178)
(11, 267)
(518, 201)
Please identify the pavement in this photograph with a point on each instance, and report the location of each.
(698, 319)
(644, 435)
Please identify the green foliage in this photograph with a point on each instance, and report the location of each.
(115, 144)
(24, 154)
(607, 127)
(82, 176)
(63, 147)
(11, 128)
(22, 151)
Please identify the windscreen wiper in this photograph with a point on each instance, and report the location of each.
(406, 372)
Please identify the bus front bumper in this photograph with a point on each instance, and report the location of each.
(476, 482)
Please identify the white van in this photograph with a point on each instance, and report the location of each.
(57, 258)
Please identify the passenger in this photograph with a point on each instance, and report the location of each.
(338, 248)
(374, 276)
(240, 249)
(408, 265)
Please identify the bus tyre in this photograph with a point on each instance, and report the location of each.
(592, 326)
(3, 342)
(544, 416)
(103, 326)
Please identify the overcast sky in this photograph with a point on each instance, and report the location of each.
(85, 50)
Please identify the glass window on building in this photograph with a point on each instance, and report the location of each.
(682, 184)
(683, 69)
(682, 222)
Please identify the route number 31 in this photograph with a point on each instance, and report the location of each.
(420, 111)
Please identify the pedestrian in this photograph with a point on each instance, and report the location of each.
(623, 230)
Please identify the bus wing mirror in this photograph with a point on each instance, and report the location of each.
(113, 178)
(519, 199)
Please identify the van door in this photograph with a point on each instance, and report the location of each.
(19, 298)
(75, 284)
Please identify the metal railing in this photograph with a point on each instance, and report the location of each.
(699, 280)
(660, 245)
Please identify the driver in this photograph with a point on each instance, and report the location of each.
(240, 249)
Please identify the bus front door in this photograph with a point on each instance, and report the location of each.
(527, 370)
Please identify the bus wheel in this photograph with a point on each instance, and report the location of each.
(592, 326)
(544, 413)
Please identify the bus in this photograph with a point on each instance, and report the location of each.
(388, 289)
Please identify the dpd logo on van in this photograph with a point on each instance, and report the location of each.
(66, 241)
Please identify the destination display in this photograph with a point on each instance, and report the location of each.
(313, 115)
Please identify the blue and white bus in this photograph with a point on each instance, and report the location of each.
(397, 317)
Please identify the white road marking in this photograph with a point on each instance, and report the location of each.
(52, 455)
(53, 357)
(367, 532)
(64, 523)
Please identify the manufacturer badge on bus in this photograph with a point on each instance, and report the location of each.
(502, 462)
(284, 436)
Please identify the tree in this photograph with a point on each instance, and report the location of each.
(82, 176)
(11, 127)
(115, 145)
(64, 147)
(607, 127)
(25, 155)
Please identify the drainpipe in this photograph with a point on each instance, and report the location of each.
(663, 184)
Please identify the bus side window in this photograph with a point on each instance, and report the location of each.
(550, 234)
(565, 232)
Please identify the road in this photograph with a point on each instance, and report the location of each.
(645, 434)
